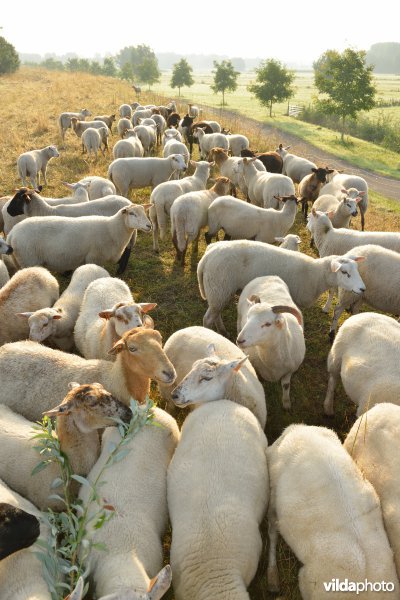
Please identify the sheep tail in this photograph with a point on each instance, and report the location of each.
(179, 227)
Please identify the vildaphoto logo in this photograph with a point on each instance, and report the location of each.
(336, 585)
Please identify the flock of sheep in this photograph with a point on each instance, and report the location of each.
(93, 348)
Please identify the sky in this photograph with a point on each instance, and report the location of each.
(291, 31)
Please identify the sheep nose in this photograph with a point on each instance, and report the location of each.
(175, 396)
(170, 376)
(362, 289)
(240, 341)
(354, 214)
(10, 250)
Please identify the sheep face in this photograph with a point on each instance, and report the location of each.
(17, 204)
(5, 248)
(42, 323)
(158, 587)
(136, 218)
(178, 162)
(264, 322)
(207, 381)
(91, 406)
(18, 529)
(321, 174)
(347, 275)
(52, 152)
(126, 316)
(350, 206)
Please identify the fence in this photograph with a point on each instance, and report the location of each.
(294, 110)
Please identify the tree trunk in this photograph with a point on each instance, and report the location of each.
(270, 109)
(223, 97)
(179, 92)
(342, 136)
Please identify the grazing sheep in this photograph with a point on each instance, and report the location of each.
(147, 134)
(241, 221)
(164, 195)
(211, 368)
(80, 126)
(108, 120)
(129, 147)
(107, 311)
(123, 125)
(339, 211)
(310, 186)
(272, 161)
(328, 514)
(365, 354)
(98, 187)
(4, 275)
(289, 242)
(228, 266)
(329, 240)
(64, 120)
(136, 488)
(140, 358)
(217, 496)
(125, 111)
(57, 323)
(92, 139)
(84, 410)
(31, 164)
(228, 167)
(370, 443)
(28, 290)
(237, 143)
(65, 243)
(189, 215)
(263, 187)
(294, 166)
(338, 181)
(129, 173)
(207, 141)
(169, 133)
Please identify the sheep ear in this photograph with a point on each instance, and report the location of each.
(358, 258)
(106, 314)
(278, 321)
(331, 214)
(314, 212)
(62, 410)
(148, 322)
(254, 299)
(147, 206)
(236, 365)
(211, 350)
(70, 186)
(73, 384)
(160, 583)
(147, 306)
(335, 266)
(279, 239)
(77, 593)
(361, 194)
(344, 191)
(117, 348)
(24, 315)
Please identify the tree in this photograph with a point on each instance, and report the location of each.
(225, 78)
(274, 83)
(385, 57)
(148, 71)
(109, 67)
(182, 75)
(347, 82)
(9, 59)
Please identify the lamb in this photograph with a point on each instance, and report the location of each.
(65, 243)
(212, 368)
(80, 126)
(98, 187)
(339, 211)
(216, 542)
(141, 114)
(128, 173)
(31, 164)
(92, 139)
(270, 329)
(83, 411)
(338, 181)
(237, 143)
(147, 134)
(135, 533)
(310, 186)
(129, 147)
(207, 141)
(56, 323)
(263, 187)
(168, 133)
(294, 166)
(189, 214)
(107, 311)
(272, 161)
(228, 167)
(140, 357)
(125, 111)
(365, 355)
(370, 443)
(163, 196)
(228, 266)
(289, 242)
(28, 290)
(108, 120)
(333, 241)
(64, 120)
(123, 125)
(172, 146)
(338, 532)
(241, 220)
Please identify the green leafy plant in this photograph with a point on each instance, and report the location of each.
(65, 554)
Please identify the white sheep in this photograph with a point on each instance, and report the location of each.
(161, 124)
(123, 125)
(171, 133)
(64, 120)
(241, 220)
(212, 368)
(141, 113)
(237, 143)
(295, 167)
(339, 211)
(263, 187)
(370, 443)
(270, 329)
(98, 187)
(365, 354)
(31, 164)
(84, 410)
(140, 358)
(173, 146)
(194, 111)
(107, 311)
(329, 240)
(289, 242)
(337, 181)
(189, 215)
(93, 139)
(134, 536)
(80, 126)
(147, 134)
(164, 195)
(65, 243)
(328, 514)
(57, 323)
(130, 146)
(125, 111)
(215, 126)
(217, 496)
(129, 173)
(228, 167)
(207, 141)
(28, 290)
(228, 266)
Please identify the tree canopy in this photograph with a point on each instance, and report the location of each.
(9, 59)
(346, 80)
(182, 75)
(225, 78)
(274, 83)
(385, 57)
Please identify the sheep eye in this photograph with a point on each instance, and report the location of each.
(266, 325)
(346, 273)
(118, 317)
(204, 378)
(132, 349)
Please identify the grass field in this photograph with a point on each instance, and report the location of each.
(32, 100)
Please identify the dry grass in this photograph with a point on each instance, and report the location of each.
(32, 101)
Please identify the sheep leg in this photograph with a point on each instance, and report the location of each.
(336, 316)
(154, 222)
(123, 261)
(285, 383)
(327, 306)
(330, 392)
(208, 237)
(178, 251)
(272, 571)
(362, 220)
(213, 317)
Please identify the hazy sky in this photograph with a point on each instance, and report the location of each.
(290, 30)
